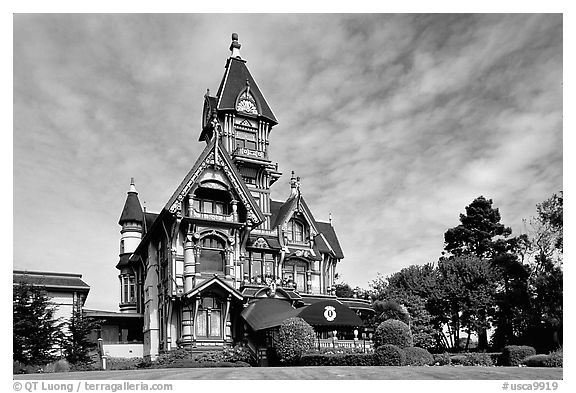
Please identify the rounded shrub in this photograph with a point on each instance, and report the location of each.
(512, 355)
(553, 359)
(389, 355)
(418, 357)
(393, 332)
(295, 337)
(536, 361)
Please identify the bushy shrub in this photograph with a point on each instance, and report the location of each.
(224, 355)
(471, 359)
(393, 332)
(123, 363)
(457, 360)
(173, 355)
(536, 360)
(189, 363)
(554, 359)
(92, 366)
(441, 359)
(59, 366)
(295, 337)
(418, 357)
(424, 340)
(389, 355)
(512, 355)
(21, 368)
(389, 309)
(345, 359)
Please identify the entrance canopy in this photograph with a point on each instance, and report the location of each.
(329, 313)
(267, 313)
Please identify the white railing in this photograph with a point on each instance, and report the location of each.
(365, 345)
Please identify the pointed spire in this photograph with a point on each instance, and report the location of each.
(132, 211)
(235, 46)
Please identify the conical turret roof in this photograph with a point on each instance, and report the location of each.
(132, 209)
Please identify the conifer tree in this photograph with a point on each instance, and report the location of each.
(36, 331)
(77, 344)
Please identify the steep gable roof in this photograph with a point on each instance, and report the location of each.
(234, 82)
(231, 172)
(327, 230)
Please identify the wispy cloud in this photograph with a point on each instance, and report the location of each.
(394, 122)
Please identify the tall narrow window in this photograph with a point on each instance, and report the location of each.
(211, 254)
(209, 318)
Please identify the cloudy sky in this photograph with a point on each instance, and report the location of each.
(393, 122)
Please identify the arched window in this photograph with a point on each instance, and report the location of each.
(211, 254)
(295, 231)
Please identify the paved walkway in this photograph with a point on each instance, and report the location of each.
(321, 373)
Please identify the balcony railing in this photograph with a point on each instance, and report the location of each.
(360, 344)
(245, 152)
(214, 216)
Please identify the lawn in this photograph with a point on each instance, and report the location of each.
(323, 373)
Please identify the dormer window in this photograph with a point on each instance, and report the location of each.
(295, 231)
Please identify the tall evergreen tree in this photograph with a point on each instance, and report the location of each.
(36, 331)
(77, 344)
(481, 234)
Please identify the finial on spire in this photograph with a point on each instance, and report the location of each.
(207, 93)
(235, 46)
(293, 185)
(330, 217)
(132, 186)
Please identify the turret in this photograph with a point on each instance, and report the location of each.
(131, 220)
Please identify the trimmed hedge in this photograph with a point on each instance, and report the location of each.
(189, 363)
(441, 359)
(418, 357)
(346, 359)
(224, 355)
(513, 355)
(471, 359)
(393, 332)
(390, 355)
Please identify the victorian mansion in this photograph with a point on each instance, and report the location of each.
(222, 263)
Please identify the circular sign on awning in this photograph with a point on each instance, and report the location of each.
(329, 313)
